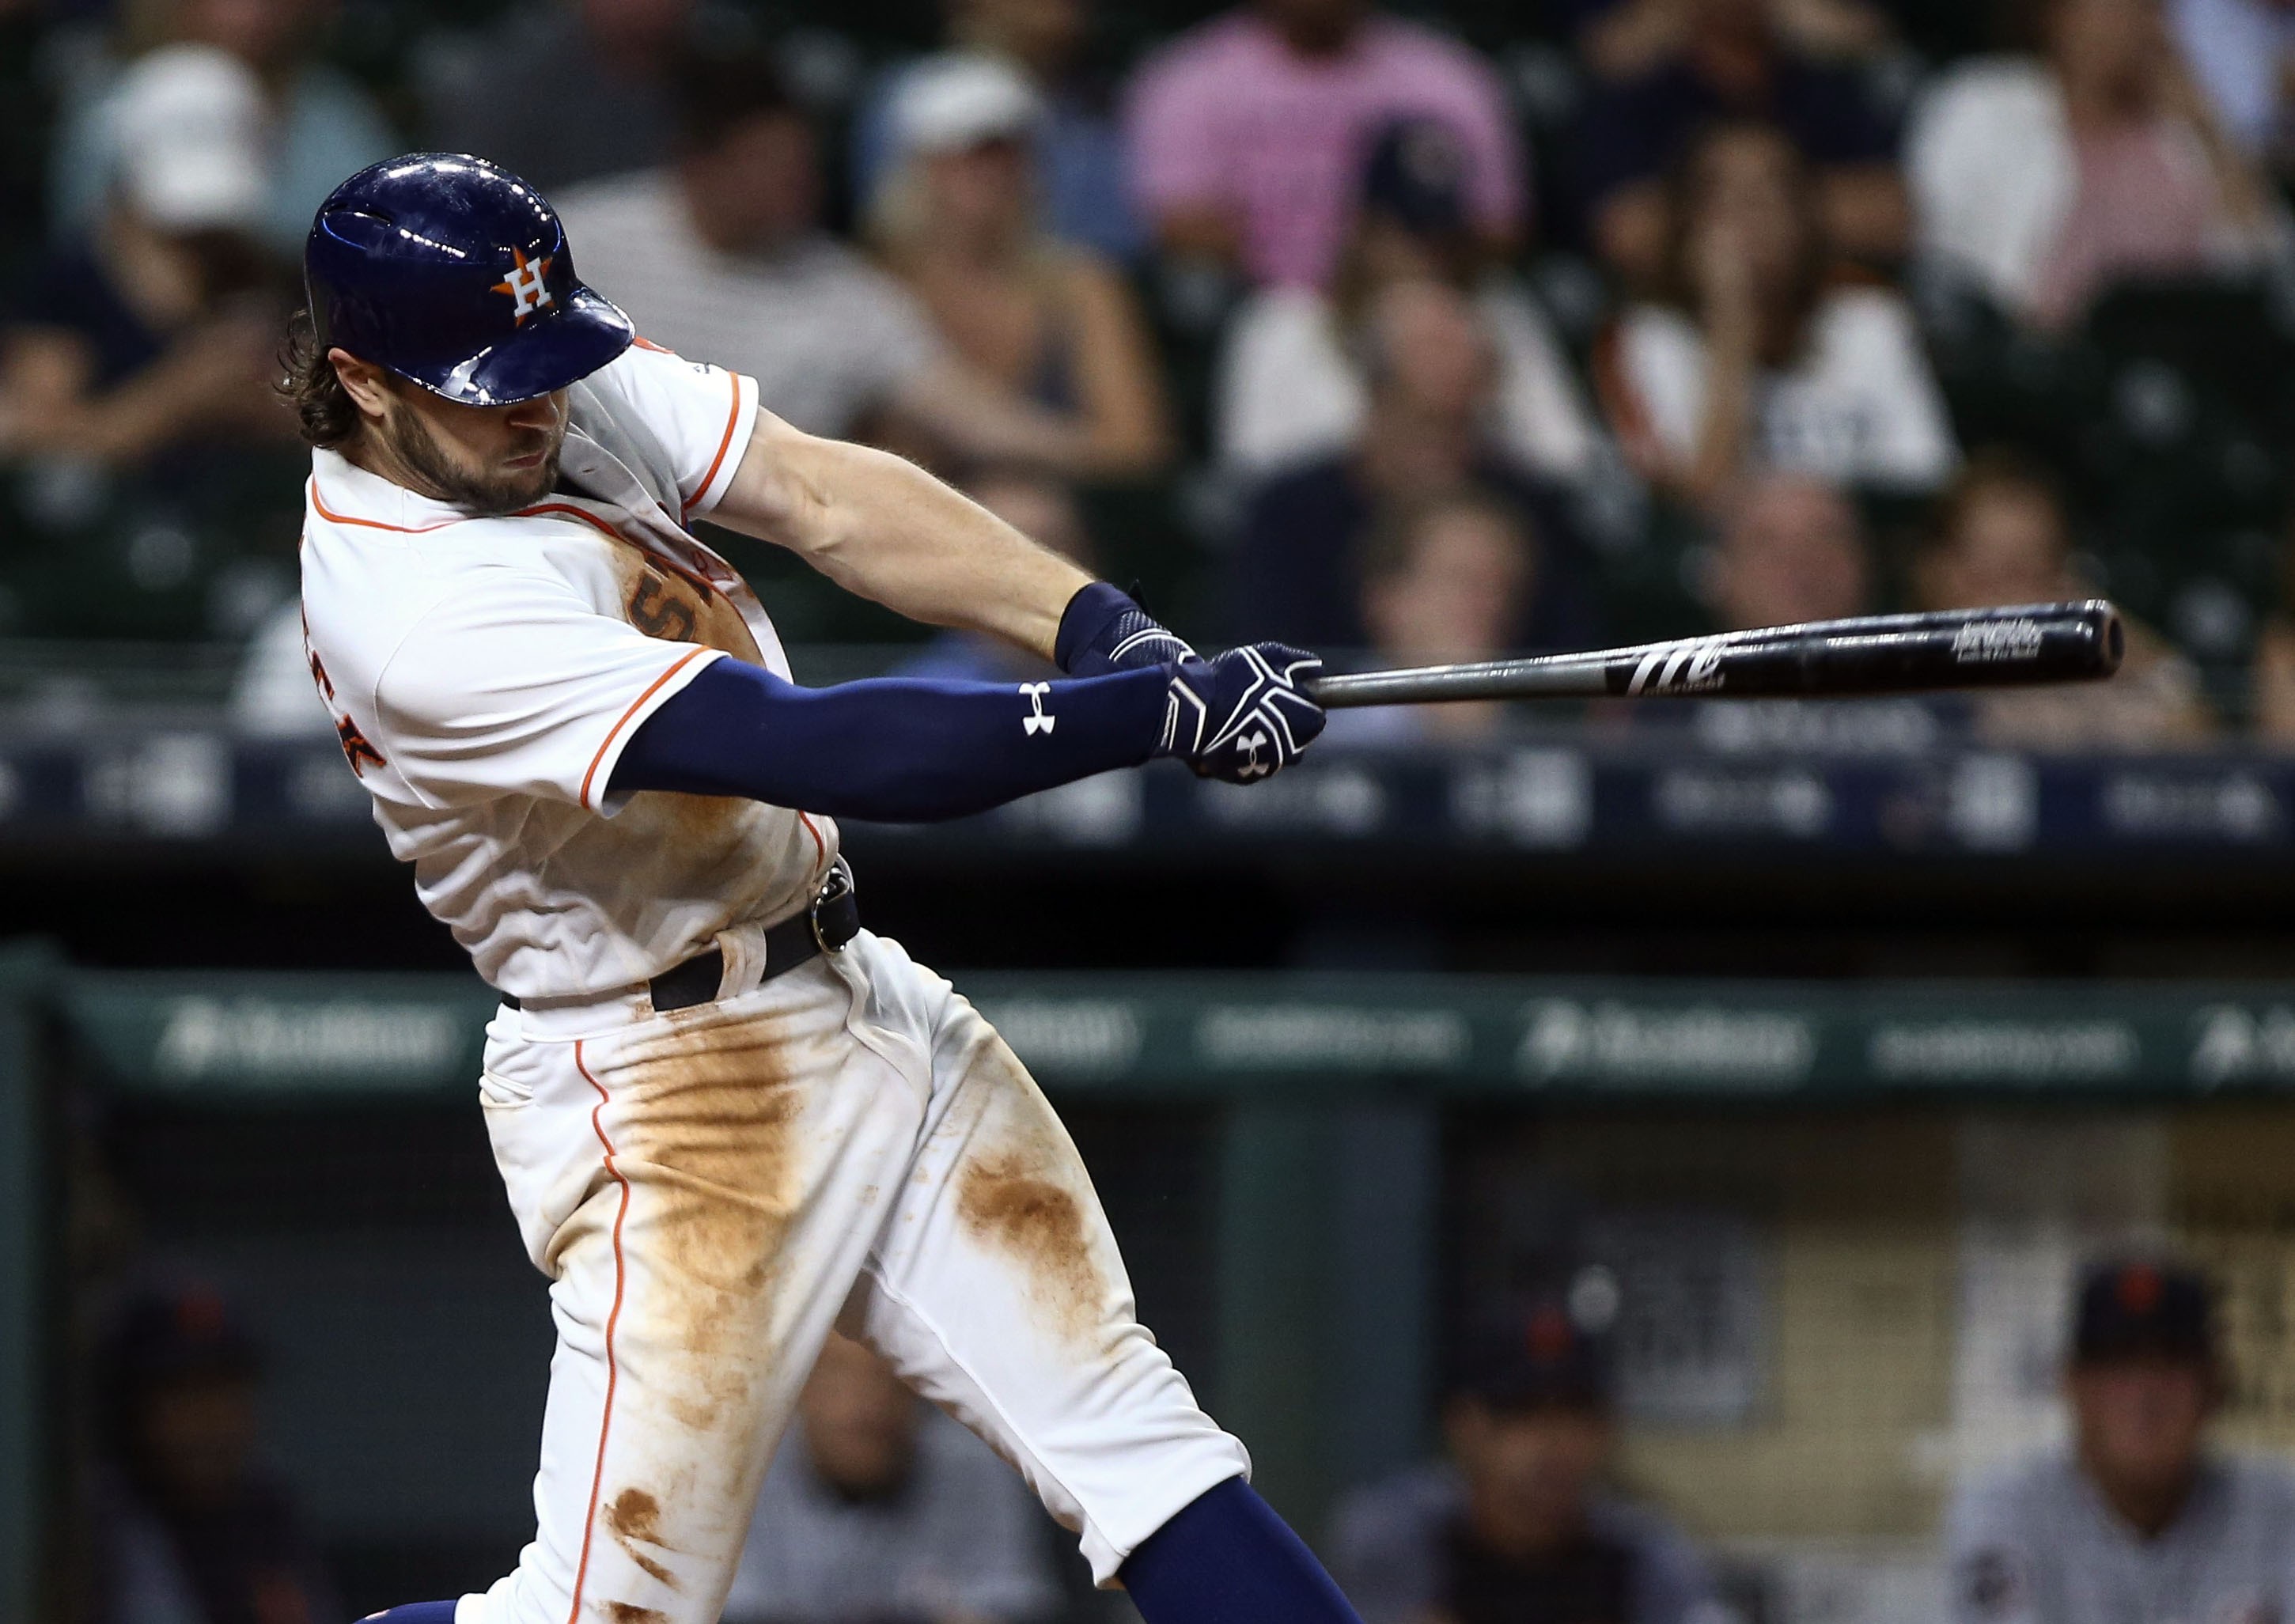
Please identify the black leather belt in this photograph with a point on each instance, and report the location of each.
(832, 921)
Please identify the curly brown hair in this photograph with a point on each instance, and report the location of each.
(323, 409)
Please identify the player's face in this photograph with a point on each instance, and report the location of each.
(484, 459)
(1529, 1472)
(2140, 1419)
(194, 1438)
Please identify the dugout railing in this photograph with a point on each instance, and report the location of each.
(1327, 1095)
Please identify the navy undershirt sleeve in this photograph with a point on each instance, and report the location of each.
(891, 750)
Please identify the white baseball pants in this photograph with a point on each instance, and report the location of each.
(710, 1190)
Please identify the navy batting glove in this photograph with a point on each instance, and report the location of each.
(1103, 629)
(1241, 715)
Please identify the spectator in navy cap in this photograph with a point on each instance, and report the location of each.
(2139, 1519)
(190, 1530)
(1519, 1524)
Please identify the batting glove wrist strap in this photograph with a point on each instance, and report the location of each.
(1241, 715)
(1103, 629)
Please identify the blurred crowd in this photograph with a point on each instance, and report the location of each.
(1599, 320)
(878, 1510)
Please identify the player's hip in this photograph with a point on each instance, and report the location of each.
(764, 1092)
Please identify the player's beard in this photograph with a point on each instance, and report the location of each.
(484, 496)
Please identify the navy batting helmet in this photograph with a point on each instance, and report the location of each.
(456, 275)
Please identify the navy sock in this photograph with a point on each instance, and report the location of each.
(414, 1612)
(1229, 1559)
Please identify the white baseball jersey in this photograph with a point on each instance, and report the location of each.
(709, 1188)
(486, 673)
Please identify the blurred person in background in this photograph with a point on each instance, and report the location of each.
(157, 328)
(1754, 357)
(28, 99)
(722, 254)
(317, 125)
(2042, 180)
(1446, 577)
(564, 90)
(1623, 39)
(1290, 384)
(2242, 53)
(1790, 549)
(2002, 538)
(958, 222)
(878, 1510)
(1732, 63)
(2271, 681)
(189, 1530)
(1079, 150)
(1430, 373)
(1520, 1521)
(2139, 1519)
(1247, 132)
(1044, 511)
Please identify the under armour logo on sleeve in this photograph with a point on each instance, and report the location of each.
(1038, 720)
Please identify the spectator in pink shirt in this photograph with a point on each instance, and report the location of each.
(1247, 132)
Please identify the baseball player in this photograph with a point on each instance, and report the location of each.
(2137, 1519)
(727, 1115)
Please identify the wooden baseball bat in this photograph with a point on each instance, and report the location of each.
(2022, 646)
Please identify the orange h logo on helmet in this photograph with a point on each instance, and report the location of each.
(525, 285)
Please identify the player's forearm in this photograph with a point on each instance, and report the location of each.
(891, 750)
(882, 527)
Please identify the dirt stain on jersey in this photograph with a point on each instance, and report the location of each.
(634, 1518)
(717, 832)
(663, 602)
(1020, 1194)
(708, 1146)
(630, 1613)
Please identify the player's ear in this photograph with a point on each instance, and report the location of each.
(367, 384)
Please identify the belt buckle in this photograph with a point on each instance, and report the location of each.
(835, 887)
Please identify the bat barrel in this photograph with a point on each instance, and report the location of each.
(2023, 646)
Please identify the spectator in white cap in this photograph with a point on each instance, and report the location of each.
(959, 221)
(155, 326)
(1080, 161)
(317, 124)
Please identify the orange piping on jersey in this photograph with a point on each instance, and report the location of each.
(642, 342)
(568, 508)
(683, 660)
(723, 445)
(332, 517)
(819, 846)
(539, 509)
(612, 1320)
(704, 585)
